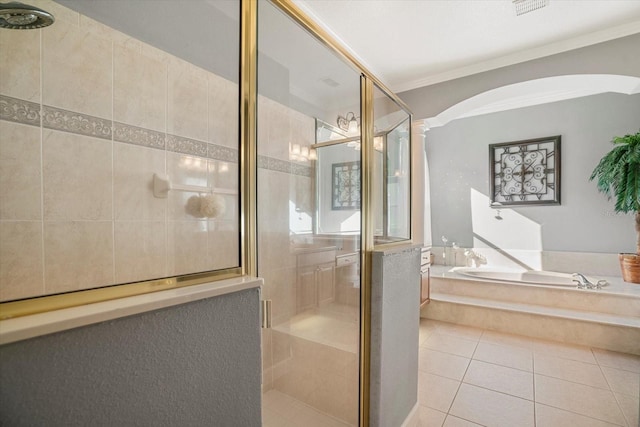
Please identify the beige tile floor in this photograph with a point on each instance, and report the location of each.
(472, 377)
(475, 377)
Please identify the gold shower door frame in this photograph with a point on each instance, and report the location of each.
(367, 83)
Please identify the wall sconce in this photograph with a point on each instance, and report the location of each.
(378, 144)
(301, 153)
(348, 123)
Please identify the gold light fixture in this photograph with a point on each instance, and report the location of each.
(301, 153)
(348, 123)
(378, 144)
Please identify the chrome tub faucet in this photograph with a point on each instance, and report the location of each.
(584, 283)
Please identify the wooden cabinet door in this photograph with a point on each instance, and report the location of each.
(326, 276)
(306, 292)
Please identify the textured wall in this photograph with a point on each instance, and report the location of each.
(194, 364)
(395, 318)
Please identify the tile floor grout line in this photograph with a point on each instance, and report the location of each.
(471, 421)
(446, 352)
(536, 351)
(503, 366)
(575, 382)
(533, 376)
(461, 380)
(501, 392)
(581, 414)
(624, 416)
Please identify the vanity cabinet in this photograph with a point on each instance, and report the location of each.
(315, 278)
(348, 279)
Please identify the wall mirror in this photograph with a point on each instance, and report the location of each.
(337, 180)
(392, 170)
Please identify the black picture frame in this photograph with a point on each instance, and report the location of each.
(527, 172)
(345, 186)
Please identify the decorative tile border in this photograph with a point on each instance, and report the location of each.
(19, 111)
(302, 170)
(283, 166)
(219, 152)
(26, 112)
(179, 144)
(69, 121)
(138, 136)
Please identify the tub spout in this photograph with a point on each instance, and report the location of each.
(583, 282)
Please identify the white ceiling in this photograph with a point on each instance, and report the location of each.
(414, 43)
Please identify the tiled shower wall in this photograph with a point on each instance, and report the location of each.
(87, 116)
(283, 185)
(320, 375)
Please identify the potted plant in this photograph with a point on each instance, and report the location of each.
(618, 174)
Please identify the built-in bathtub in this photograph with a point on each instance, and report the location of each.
(539, 304)
(525, 276)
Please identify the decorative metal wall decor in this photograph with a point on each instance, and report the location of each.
(525, 172)
(345, 186)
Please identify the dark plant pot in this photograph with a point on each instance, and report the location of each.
(630, 266)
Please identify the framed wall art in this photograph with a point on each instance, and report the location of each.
(525, 172)
(345, 186)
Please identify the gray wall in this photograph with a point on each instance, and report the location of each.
(395, 319)
(459, 161)
(619, 56)
(195, 364)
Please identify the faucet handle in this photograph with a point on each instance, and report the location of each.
(583, 282)
(579, 283)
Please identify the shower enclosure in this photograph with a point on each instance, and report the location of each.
(311, 353)
(127, 165)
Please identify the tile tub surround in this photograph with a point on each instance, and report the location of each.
(589, 263)
(607, 318)
(282, 182)
(477, 377)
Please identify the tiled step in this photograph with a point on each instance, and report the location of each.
(560, 313)
(609, 331)
(618, 299)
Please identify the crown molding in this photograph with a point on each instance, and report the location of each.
(519, 57)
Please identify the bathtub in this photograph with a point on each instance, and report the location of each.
(525, 276)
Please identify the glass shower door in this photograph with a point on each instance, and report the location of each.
(308, 227)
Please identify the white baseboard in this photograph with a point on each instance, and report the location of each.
(413, 419)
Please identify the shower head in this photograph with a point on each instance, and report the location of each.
(18, 16)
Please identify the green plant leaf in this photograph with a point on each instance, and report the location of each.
(618, 173)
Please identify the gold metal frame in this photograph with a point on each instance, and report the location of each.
(248, 132)
(325, 38)
(36, 305)
(367, 242)
(248, 171)
(366, 236)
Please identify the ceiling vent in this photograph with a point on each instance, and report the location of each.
(329, 82)
(526, 6)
